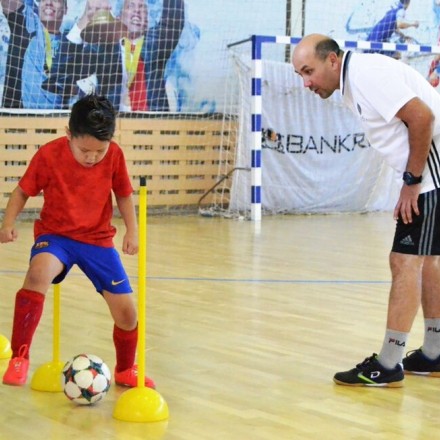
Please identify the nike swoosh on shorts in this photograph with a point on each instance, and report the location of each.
(115, 283)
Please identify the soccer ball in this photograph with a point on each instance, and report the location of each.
(86, 379)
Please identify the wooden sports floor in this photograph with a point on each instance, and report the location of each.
(246, 327)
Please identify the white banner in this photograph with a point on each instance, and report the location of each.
(315, 156)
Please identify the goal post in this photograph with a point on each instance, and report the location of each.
(256, 115)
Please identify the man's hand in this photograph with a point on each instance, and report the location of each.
(407, 203)
(92, 6)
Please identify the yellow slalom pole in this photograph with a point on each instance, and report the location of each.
(141, 404)
(56, 323)
(142, 284)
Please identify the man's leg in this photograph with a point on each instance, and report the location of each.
(403, 304)
(426, 360)
(385, 370)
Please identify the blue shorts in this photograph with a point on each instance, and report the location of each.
(102, 265)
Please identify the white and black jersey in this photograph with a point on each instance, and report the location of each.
(375, 87)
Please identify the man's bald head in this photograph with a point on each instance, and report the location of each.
(319, 45)
(318, 59)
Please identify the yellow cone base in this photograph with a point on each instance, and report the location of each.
(48, 377)
(141, 405)
(5, 348)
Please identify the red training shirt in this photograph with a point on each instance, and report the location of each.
(77, 200)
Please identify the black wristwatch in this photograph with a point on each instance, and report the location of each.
(410, 179)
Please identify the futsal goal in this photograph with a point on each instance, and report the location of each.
(297, 153)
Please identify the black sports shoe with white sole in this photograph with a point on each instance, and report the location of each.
(417, 363)
(370, 373)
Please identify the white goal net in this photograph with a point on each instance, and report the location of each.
(314, 155)
(182, 83)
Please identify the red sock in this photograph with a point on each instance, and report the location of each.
(27, 314)
(125, 344)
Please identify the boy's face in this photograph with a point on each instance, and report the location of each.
(87, 150)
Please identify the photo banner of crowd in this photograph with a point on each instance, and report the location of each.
(54, 56)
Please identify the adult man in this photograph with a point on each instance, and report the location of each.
(400, 113)
(143, 56)
(23, 23)
(39, 56)
(134, 85)
(35, 40)
(78, 59)
(130, 72)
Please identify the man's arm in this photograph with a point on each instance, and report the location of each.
(161, 40)
(419, 120)
(406, 24)
(402, 23)
(130, 243)
(172, 22)
(16, 203)
(90, 10)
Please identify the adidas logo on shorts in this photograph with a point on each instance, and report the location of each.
(407, 241)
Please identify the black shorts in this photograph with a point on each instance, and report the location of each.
(422, 236)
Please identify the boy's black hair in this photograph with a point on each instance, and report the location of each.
(93, 115)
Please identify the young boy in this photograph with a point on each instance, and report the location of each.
(77, 174)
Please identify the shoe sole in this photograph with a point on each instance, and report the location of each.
(397, 384)
(15, 384)
(424, 373)
(131, 386)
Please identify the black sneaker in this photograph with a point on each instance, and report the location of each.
(371, 373)
(417, 363)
